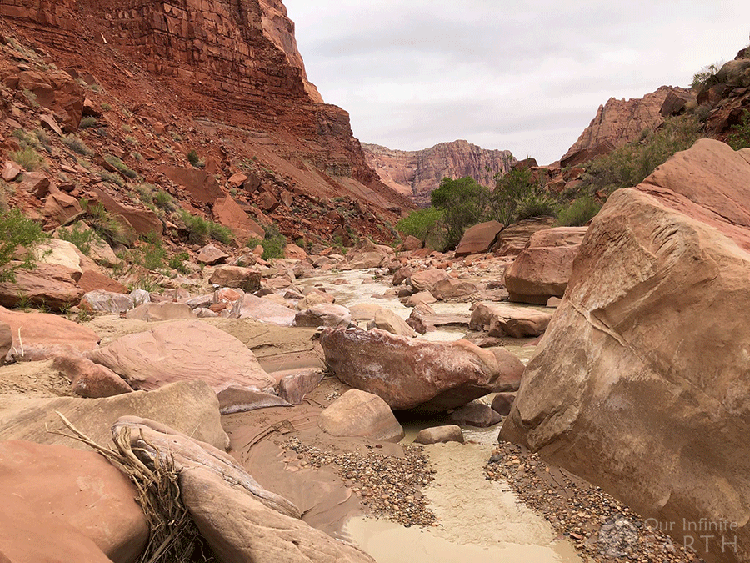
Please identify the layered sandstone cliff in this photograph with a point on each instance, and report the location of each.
(417, 173)
(228, 62)
(620, 121)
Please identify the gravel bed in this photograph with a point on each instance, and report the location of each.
(602, 529)
(388, 486)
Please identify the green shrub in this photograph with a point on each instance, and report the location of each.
(706, 77)
(421, 223)
(87, 123)
(120, 166)
(463, 202)
(200, 230)
(517, 195)
(629, 165)
(739, 138)
(273, 243)
(177, 262)
(163, 200)
(27, 158)
(81, 236)
(111, 177)
(17, 233)
(579, 212)
(76, 145)
(192, 157)
(154, 254)
(104, 224)
(106, 107)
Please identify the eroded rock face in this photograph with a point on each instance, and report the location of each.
(407, 374)
(506, 320)
(61, 504)
(640, 383)
(543, 268)
(418, 173)
(619, 122)
(479, 238)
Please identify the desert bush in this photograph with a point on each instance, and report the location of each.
(87, 123)
(74, 143)
(27, 158)
(629, 165)
(706, 77)
(18, 235)
(120, 166)
(739, 138)
(463, 202)
(200, 230)
(273, 243)
(153, 254)
(81, 236)
(104, 224)
(421, 223)
(192, 157)
(177, 262)
(578, 212)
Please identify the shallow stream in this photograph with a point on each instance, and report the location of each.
(478, 520)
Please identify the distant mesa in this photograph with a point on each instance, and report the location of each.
(417, 173)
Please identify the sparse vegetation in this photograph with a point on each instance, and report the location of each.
(74, 143)
(177, 262)
(627, 166)
(518, 195)
(153, 253)
(739, 138)
(192, 157)
(706, 77)
(104, 224)
(81, 236)
(200, 230)
(425, 224)
(18, 239)
(578, 212)
(88, 122)
(273, 243)
(120, 166)
(27, 158)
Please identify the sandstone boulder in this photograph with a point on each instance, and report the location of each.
(252, 307)
(240, 399)
(640, 383)
(543, 268)
(323, 315)
(407, 373)
(48, 285)
(362, 414)
(386, 319)
(6, 341)
(39, 336)
(246, 279)
(506, 320)
(211, 255)
(452, 288)
(295, 384)
(107, 301)
(440, 434)
(479, 238)
(503, 402)
(425, 280)
(253, 532)
(61, 504)
(226, 211)
(182, 351)
(90, 380)
(475, 414)
(313, 298)
(369, 255)
(166, 311)
(190, 407)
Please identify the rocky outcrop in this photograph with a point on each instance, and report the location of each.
(407, 374)
(479, 238)
(359, 413)
(543, 268)
(506, 320)
(418, 173)
(640, 383)
(619, 122)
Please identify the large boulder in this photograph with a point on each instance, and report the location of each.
(362, 414)
(238, 277)
(425, 280)
(182, 351)
(251, 531)
(190, 407)
(323, 315)
(38, 336)
(479, 238)
(543, 268)
(48, 285)
(370, 255)
(252, 307)
(61, 504)
(506, 320)
(408, 374)
(386, 319)
(640, 384)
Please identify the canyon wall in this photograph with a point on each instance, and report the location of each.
(417, 173)
(620, 121)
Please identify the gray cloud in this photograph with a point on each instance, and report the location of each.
(524, 76)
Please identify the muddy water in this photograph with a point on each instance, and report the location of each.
(478, 520)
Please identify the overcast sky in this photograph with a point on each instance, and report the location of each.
(522, 76)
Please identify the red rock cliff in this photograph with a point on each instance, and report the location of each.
(417, 173)
(230, 61)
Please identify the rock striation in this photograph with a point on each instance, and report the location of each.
(417, 173)
(620, 121)
(640, 382)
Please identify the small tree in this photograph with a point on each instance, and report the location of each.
(18, 238)
(463, 202)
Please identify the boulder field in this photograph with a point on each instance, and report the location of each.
(640, 383)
